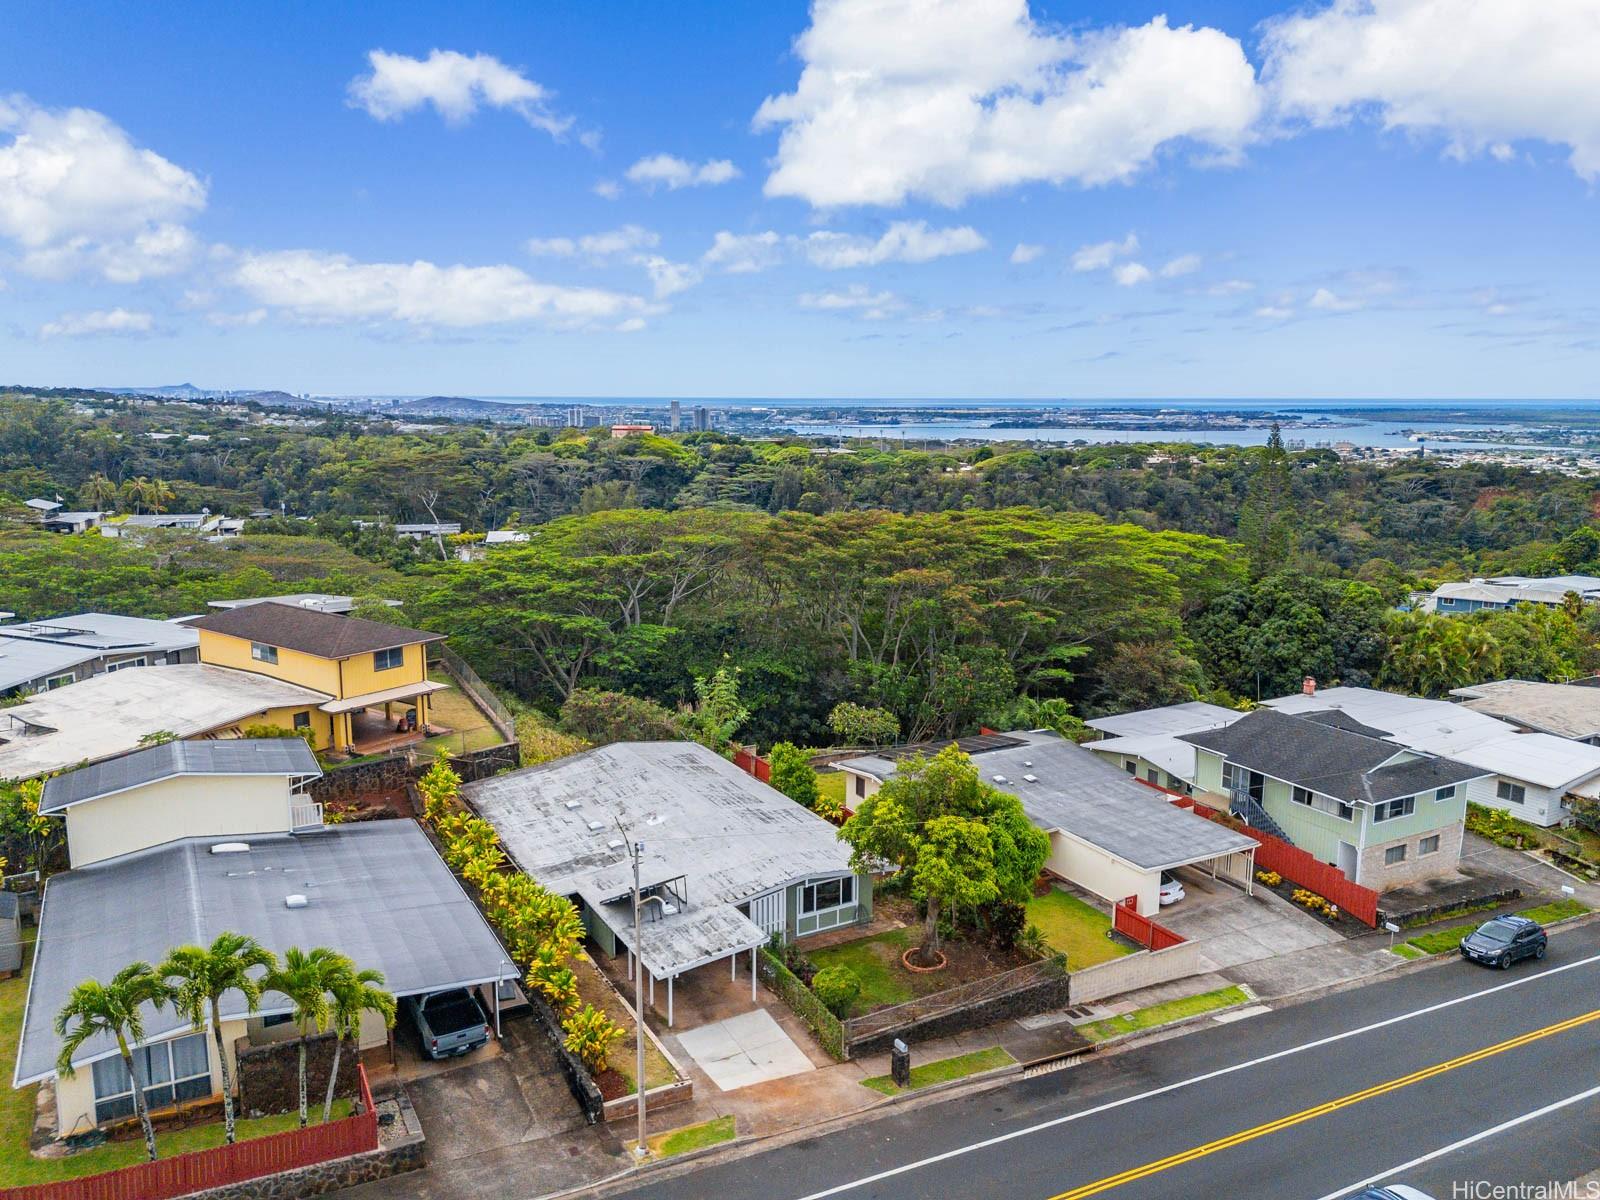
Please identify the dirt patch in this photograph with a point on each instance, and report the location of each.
(1486, 497)
(612, 1084)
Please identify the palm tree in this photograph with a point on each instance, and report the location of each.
(305, 978)
(160, 495)
(99, 492)
(96, 1008)
(354, 994)
(201, 975)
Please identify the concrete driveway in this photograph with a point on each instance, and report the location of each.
(1232, 928)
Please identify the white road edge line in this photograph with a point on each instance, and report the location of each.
(1466, 1141)
(959, 1151)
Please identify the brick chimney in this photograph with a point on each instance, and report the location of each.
(1308, 686)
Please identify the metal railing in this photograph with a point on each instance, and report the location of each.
(305, 816)
(482, 694)
(1243, 804)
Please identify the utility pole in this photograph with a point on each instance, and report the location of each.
(642, 1150)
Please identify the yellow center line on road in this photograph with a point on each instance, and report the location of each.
(1321, 1110)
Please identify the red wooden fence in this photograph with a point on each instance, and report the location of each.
(221, 1165)
(1295, 865)
(1125, 919)
(753, 764)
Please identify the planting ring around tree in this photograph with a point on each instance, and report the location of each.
(905, 961)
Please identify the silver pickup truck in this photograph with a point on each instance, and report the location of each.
(448, 1023)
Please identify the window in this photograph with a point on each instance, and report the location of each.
(1153, 775)
(1402, 807)
(1302, 796)
(56, 681)
(262, 652)
(268, 1022)
(861, 787)
(387, 660)
(1513, 793)
(828, 895)
(1446, 793)
(1394, 855)
(171, 1071)
(1233, 777)
(141, 661)
(1131, 767)
(1327, 804)
(1428, 845)
(302, 720)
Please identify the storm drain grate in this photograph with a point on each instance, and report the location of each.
(1050, 1065)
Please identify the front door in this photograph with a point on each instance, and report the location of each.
(1348, 861)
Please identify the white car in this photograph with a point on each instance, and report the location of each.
(1392, 1191)
(1171, 890)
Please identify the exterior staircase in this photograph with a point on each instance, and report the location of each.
(1249, 810)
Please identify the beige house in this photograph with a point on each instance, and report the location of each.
(184, 841)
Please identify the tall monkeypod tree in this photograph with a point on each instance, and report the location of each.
(305, 978)
(355, 994)
(959, 841)
(201, 975)
(113, 1008)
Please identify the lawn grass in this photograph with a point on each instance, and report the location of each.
(690, 1137)
(1076, 929)
(1163, 1014)
(1443, 941)
(943, 1070)
(469, 728)
(831, 785)
(876, 962)
(1407, 951)
(18, 1167)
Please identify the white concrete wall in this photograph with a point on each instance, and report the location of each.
(1133, 971)
(169, 809)
(1107, 877)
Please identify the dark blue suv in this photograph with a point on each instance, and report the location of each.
(1504, 940)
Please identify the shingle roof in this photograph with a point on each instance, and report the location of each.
(235, 756)
(322, 634)
(1343, 720)
(376, 891)
(1327, 759)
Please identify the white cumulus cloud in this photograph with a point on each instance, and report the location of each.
(629, 239)
(455, 84)
(1184, 264)
(77, 194)
(1482, 74)
(946, 99)
(1100, 255)
(316, 286)
(1324, 300)
(112, 322)
(903, 241)
(1130, 273)
(1026, 252)
(672, 173)
(744, 253)
(874, 306)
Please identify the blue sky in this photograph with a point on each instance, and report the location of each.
(896, 198)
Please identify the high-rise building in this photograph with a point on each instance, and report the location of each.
(575, 417)
(702, 417)
(675, 420)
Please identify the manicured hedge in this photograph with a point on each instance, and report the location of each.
(806, 1006)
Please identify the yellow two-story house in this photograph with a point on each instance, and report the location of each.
(375, 674)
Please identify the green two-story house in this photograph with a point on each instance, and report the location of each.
(1384, 815)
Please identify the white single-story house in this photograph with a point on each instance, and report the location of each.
(1148, 744)
(1109, 835)
(727, 864)
(1528, 774)
(38, 656)
(178, 843)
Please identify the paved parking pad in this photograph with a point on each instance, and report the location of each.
(1243, 929)
(743, 1050)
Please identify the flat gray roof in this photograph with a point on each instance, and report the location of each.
(728, 837)
(1558, 708)
(376, 891)
(1081, 794)
(31, 650)
(234, 756)
(1169, 720)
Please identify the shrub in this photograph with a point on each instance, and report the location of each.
(541, 742)
(591, 1035)
(858, 725)
(1270, 878)
(792, 775)
(1003, 922)
(604, 717)
(837, 988)
(278, 731)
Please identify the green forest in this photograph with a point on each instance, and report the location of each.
(994, 585)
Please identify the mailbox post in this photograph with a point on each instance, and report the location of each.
(900, 1064)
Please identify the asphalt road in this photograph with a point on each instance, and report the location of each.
(1451, 1074)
